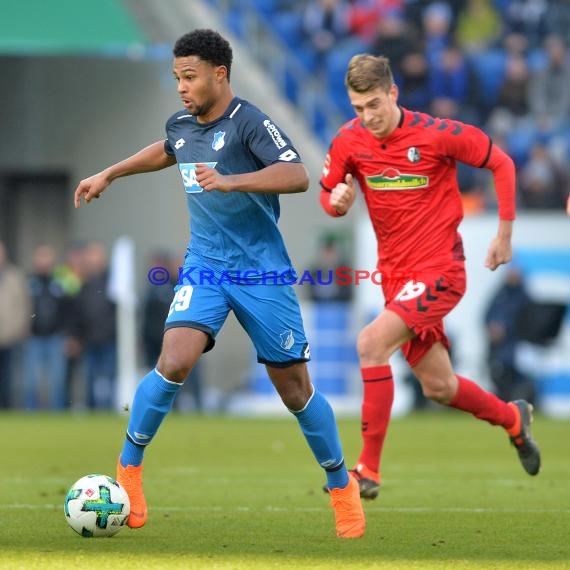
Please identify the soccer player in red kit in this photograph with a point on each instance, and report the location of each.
(405, 165)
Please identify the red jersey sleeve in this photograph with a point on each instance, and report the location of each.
(337, 165)
(503, 168)
(325, 197)
(472, 146)
(338, 160)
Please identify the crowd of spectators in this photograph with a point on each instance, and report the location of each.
(500, 64)
(58, 330)
(58, 341)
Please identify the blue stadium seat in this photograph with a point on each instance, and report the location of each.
(537, 60)
(290, 86)
(519, 142)
(501, 6)
(319, 124)
(288, 27)
(489, 67)
(331, 316)
(267, 7)
(335, 69)
(235, 22)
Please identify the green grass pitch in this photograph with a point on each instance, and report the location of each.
(236, 493)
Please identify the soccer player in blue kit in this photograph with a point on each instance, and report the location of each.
(234, 162)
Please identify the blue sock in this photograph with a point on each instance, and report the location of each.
(153, 400)
(318, 425)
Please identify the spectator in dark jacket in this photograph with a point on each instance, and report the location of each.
(94, 326)
(71, 276)
(501, 321)
(44, 361)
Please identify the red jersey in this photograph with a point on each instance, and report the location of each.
(410, 185)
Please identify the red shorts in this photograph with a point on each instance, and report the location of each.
(422, 303)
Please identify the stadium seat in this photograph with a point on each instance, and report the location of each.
(288, 27)
(519, 142)
(335, 70)
(267, 7)
(489, 67)
(235, 22)
(537, 60)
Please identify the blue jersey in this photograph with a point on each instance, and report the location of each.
(232, 232)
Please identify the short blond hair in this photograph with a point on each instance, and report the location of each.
(366, 72)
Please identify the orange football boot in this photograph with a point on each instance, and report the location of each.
(348, 512)
(130, 477)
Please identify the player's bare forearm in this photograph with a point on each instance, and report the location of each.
(505, 230)
(279, 178)
(501, 250)
(149, 159)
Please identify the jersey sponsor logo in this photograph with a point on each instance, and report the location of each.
(414, 155)
(219, 141)
(287, 339)
(274, 133)
(411, 290)
(393, 179)
(179, 143)
(188, 173)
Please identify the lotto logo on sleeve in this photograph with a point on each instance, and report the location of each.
(188, 173)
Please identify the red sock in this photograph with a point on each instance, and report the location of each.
(483, 405)
(376, 408)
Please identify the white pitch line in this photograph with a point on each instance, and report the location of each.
(507, 510)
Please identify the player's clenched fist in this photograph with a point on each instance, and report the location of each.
(210, 179)
(343, 195)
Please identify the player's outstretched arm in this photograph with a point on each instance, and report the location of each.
(278, 178)
(149, 159)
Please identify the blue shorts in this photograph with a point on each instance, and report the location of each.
(270, 314)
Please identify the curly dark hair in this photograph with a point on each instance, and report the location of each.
(206, 44)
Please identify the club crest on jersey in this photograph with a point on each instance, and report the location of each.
(393, 179)
(287, 339)
(219, 141)
(414, 155)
